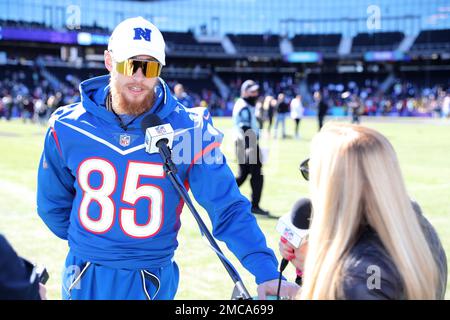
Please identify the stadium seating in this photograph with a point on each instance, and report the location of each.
(22, 24)
(325, 43)
(256, 43)
(417, 78)
(378, 41)
(344, 78)
(195, 64)
(429, 40)
(185, 43)
(20, 74)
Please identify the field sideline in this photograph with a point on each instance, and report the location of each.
(422, 146)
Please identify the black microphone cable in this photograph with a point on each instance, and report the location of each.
(283, 266)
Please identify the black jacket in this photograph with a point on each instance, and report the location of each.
(368, 257)
(282, 107)
(18, 281)
(322, 107)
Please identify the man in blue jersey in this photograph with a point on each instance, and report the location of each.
(100, 190)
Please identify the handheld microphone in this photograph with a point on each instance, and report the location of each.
(294, 228)
(158, 138)
(294, 225)
(42, 274)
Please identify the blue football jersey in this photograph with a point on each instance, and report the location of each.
(99, 189)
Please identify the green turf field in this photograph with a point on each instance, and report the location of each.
(423, 149)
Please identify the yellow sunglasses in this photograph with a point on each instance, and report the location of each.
(150, 68)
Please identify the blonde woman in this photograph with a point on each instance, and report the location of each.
(367, 239)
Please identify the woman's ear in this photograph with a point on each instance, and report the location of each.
(108, 60)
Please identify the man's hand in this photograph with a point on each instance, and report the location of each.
(288, 290)
(42, 292)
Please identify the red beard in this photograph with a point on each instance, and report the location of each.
(133, 108)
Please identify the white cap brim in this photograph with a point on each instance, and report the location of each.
(253, 88)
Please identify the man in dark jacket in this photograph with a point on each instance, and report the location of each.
(282, 110)
(247, 145)
(18, 278)
(322, 108)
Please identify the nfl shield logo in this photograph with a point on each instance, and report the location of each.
(287, 234)
(124, 140)
(161, 130)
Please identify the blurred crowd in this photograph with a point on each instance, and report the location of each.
(403, 99)
(202, 98)
(34, 97)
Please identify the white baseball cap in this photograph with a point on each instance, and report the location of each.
(134, 37)
(249, 86)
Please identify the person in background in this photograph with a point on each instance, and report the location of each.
(446, 106)
(182, 96)
(203, 104)
(8, 105)
(53, 102)
(367, 239)
(282, 110)
(28, 109)
(2, 109)
(259, 114)
(40, 111)
(247, 143)
(355, 107)
(297, 113)
(322, 108)
(269, 110)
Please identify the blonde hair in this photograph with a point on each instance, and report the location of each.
(267, 101)
(355, 179)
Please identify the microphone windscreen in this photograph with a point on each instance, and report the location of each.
(150, 120)
(301, 214)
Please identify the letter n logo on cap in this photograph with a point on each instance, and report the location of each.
(140, 33)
